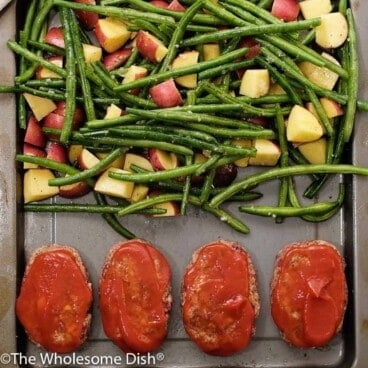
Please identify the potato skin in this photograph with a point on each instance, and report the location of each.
(55, 298)
(135, 296)
(220, 300)
(309, 293)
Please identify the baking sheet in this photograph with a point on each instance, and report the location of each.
(177, 238)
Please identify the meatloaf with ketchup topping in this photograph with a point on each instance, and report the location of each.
(309, 293)
(55, 298)
(135, 297)
(220, 299)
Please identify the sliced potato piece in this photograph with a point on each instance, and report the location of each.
(36, 187)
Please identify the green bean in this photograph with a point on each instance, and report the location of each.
(22, 111)
(331, 142)
(149, 202)
(233, 133)
(170, 138)
(198, 18)
(34, 58)
(173, 130)
(174, 185)
(299, 159)
(132, 58)
(112, 85)
(206, 108)
(46, 47)
(51, 164)
(24, 35)
(335, 149)
(24, 38)
(323, 118)
(160, 77)
(182, 140)
(182, 114)
(292, 197)
(268, 99)
(286, 171)
(270, 211)
(284, 162)
(112, 220)
(353, 81)
(207, 186)
(89, 173)
(231, 45)
(107, 123)
(123, 70)
(224, 216)
(70, 76)
(8, 89)
(201, 28)
(124, 14)
(141, 24)
(112, 2)
(46, 83)
(256, 10)
(251, 31)
(312, 190)
(247, 108)
(265, 3)
(281, 80)
(50, 93)
(71, 207)
(191, 98)
(325, 216)
(362, 105)
(222, 13)
(208, 164)
(43, 11)
(36, 33)
(81, 65)
(343, 4)
(222, 69)
(85, 208)
(187, 184)
(28, 23)
(309, 37)
(179, 34)
(152, 177)
(121, 142)
(317, 217)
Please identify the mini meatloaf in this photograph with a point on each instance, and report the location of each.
(309, 293)
(135, 297)
(55, 299)
(220, 300)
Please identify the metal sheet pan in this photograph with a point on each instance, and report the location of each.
(177, 238)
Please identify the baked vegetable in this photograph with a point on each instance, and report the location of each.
(220, 300)
(309, 293)
(270, 83)
(135, 296)
(55, 298)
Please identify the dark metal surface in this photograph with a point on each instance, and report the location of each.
(177, 238)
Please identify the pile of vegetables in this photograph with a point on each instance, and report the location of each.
(156, 105)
